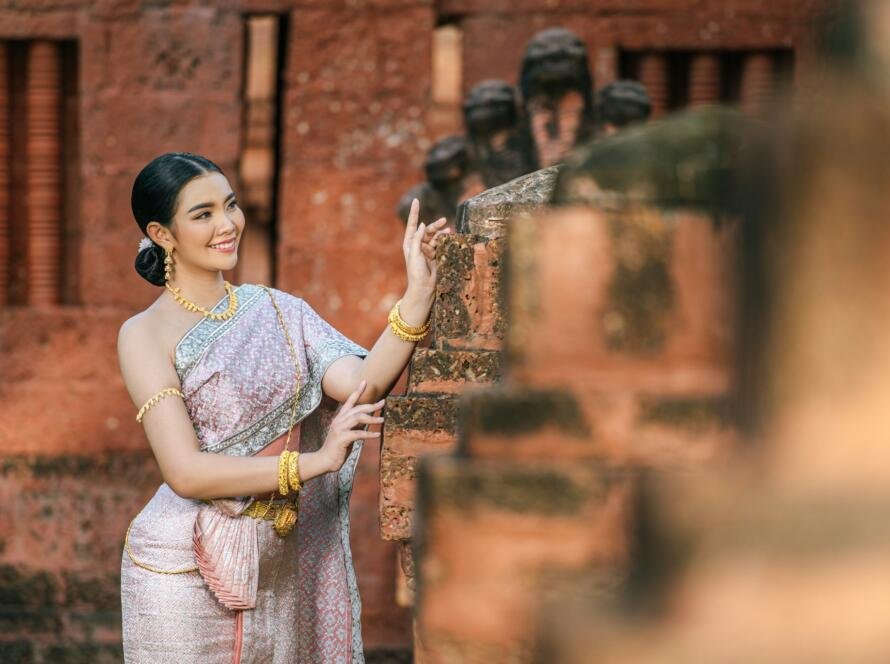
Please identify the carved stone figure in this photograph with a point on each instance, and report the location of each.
(620, 104)
(447, 182)
(496, 147)
(557, 95)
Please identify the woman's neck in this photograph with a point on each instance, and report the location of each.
(205, 290)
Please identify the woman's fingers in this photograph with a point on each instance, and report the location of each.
(418, 238)
(352, 398)
(411, 225)
(429, 245)
(362, 418)
(368, 407)
(359, 434)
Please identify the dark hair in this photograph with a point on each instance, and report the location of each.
(155, 197)
(622, 102)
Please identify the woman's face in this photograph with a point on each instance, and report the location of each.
(207, 215)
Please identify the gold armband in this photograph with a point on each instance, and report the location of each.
(157, 397)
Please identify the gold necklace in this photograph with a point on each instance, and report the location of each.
(191, 306)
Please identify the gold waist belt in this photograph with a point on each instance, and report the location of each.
(283, 515)
(263, 510)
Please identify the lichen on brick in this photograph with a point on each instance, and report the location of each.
(23, 587)
(396, 467)
(641, 294)
(427, 413)
(517, 411)
(96, 592)
(687, 413)
(517, 489)
(454, 259)
(430, 365)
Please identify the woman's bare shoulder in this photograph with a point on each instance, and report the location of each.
(145, 361)
(140, 335)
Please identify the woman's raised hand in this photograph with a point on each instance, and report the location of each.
(419, 247)
(342, 432)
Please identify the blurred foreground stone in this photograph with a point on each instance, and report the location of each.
(618, 356)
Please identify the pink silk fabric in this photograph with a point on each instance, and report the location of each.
(298, 595)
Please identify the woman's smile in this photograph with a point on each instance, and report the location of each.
(227, 247)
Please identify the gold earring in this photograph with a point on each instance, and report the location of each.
(168, 264)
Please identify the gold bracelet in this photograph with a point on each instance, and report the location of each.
(410, 329)
(404, 331)
(406, 337)
(155, 399)
(293, 472)
(282, 472)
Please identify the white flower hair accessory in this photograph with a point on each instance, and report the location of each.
(144, 243)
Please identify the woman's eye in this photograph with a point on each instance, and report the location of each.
(233, 202)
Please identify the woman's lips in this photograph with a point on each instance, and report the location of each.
(226, 247)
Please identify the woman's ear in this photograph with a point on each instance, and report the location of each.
(158, 233)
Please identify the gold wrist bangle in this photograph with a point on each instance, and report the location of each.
(293, 474)
(282, 472)
(167, 391)
(404, 331)
(408, 329)
(406, 337)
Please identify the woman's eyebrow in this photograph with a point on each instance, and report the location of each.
(210, 205)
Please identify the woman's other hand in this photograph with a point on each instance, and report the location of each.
(343, 432)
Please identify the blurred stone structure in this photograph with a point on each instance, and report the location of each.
(685, 458)
(321, 131)
(628, 368)
(775, 555)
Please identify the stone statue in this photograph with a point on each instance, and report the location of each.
(447, 182)
(557, 95)
(496, 147)
(620, 104)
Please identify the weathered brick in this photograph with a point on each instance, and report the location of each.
(414, 426)
(468, 310)
(433, 370)
(522, 423)
(657, 294)
(509, 516)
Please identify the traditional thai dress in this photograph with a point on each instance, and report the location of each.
(298, 593)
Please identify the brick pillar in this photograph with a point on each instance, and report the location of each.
(44, 174)
(654, 75)
(758, 82)
(4, 175)
(618, 350)
(704, 79)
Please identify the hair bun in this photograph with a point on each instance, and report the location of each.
(150, 264)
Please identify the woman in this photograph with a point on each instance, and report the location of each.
(243, 553)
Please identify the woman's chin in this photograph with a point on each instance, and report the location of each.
(223, 264)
